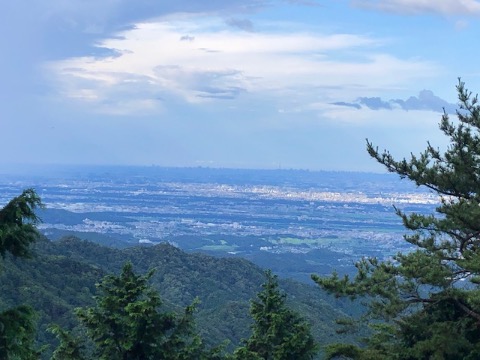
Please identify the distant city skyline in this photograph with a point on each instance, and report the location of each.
(255, 84)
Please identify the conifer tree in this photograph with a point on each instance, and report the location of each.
(17, 224)
(428, 299)
(278, 333)
(17, 233)
(127, 324)
(70, 347)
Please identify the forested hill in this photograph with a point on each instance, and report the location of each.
(62, 275)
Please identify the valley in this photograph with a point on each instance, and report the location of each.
(294, 222)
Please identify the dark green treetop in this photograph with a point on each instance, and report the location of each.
(17, 334)
(17, 233)
(70, 347)
(428, 299)
(278, 333)
(17, 224)
(127, 324)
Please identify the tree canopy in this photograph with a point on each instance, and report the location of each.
(428, 299)
(278, 333)
(127, 324)
(17, 224)
(17, 233)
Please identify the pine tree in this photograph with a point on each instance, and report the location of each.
(127, 324)
(278, 333)
(70, 347)
(428, 299)
(17, 224)
(17, 233)
(17, 334)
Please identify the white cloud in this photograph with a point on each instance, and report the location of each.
(444, 7)
(221, 63)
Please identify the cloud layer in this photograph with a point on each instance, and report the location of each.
(415, 7)
(200, 58)
(227, 83)
(426, 100)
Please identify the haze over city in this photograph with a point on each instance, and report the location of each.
(236, 84)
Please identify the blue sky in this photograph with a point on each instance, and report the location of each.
(238, 83)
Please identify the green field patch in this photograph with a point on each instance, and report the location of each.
(318, 242)
(219, 247)
(294, 241)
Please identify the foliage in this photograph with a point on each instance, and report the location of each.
(429, 298)
(69, 348)
(61, 276)
(126, 322)
(278, 332)
(224, 285)
(17, 224)
(17, 334)
(17, 233)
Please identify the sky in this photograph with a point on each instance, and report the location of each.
(291, 84)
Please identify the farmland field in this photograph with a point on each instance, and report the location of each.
(295, 222)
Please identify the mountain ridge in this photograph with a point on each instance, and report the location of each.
(62, 275)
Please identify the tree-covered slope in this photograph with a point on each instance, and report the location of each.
(62, 276)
